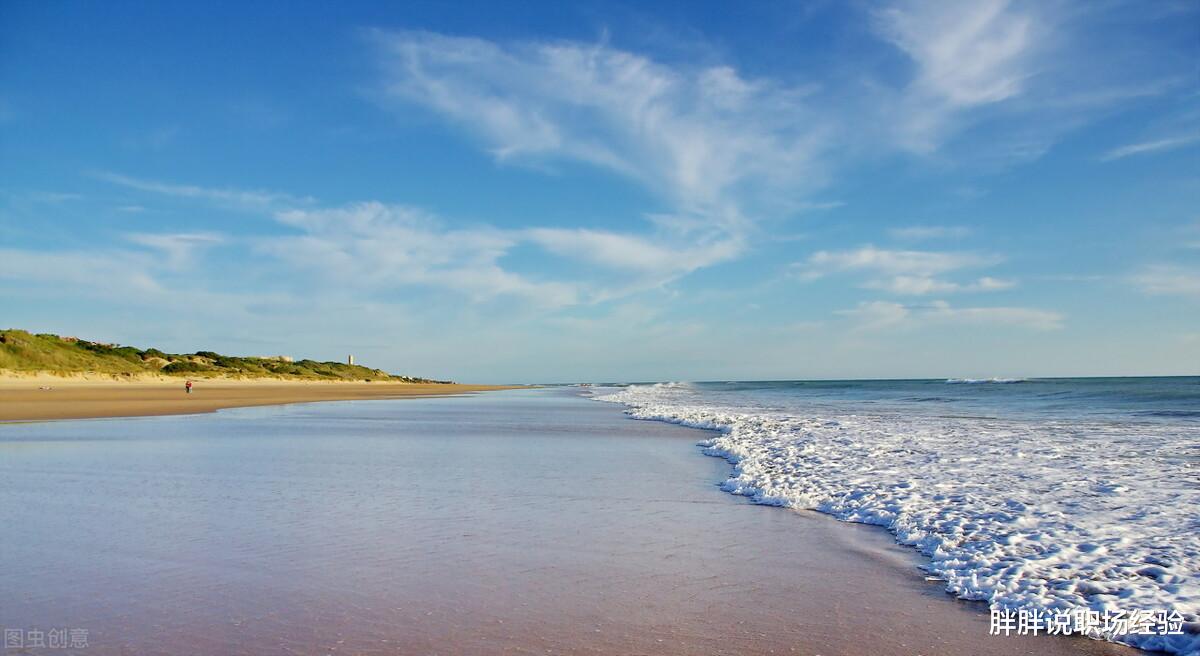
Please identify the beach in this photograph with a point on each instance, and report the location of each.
(514, 522)
(47, 397)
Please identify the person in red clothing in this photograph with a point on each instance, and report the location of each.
(188, 386)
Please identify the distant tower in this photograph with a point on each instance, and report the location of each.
(350, 360)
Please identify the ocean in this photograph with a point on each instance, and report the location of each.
(1037, 496)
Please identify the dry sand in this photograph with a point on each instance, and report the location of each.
(45, 397)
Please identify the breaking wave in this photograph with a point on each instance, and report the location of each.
(1026, 514)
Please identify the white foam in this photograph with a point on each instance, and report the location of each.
(977, 381)
(1048, 515)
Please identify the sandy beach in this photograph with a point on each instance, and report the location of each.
(46, 397)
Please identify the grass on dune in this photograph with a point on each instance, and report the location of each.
(26, 352)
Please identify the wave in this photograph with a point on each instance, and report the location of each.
(675, 384)
(1024, 515)
(1170, 413)
(980, 381)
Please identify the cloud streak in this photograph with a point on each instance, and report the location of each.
(179, 249)
(228, 197)
(629, 253)
(1168, 280)
(1158, 145)
(903, 272)
(884, 315)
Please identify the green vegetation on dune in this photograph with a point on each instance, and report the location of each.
(26, 352)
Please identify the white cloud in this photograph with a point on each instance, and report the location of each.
(118, 273)
(880, 315)
(928, 232)
(179, 249)
(924, 285)
(632, 253)
(53, 197)
(903, 272)
(966, 55)
(1031, 71)
(1168, 280)
(372, 246)
(376, 246)
(876, 315)
(1014, 316)
(714, 143)
(1158, 145)
(892, 262)
(236, 198)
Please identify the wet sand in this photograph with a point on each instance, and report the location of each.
(522, 522)
(45, 398)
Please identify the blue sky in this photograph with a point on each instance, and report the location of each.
(537, 192)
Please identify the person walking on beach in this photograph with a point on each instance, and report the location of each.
(188, 386)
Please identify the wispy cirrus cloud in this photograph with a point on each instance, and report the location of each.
(724, 151)
(371, 246)
(881, 315)
(729, 151)
(925, 285)
(893, 262)
(965, 55)
(903, 272)
(1168, 280)
(711, 141)
(1031, 71)
(625, 252)
(114, 272)
(228, 197)
(179, 249)
(1154, 146)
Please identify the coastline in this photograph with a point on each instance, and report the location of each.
(44, 397)
(534, 522)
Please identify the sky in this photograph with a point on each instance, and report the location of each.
(557, 192)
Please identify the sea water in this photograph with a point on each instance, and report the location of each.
(1043, 495)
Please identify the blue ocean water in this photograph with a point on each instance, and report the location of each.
(1165, 399)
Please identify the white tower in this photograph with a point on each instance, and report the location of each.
(350, 360)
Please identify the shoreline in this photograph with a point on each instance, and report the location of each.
(51, 398)
(752, 441)
(527, 523)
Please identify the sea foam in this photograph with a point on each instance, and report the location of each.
(1046, 515)
(977, 381)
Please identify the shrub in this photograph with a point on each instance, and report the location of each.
(183, 367)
